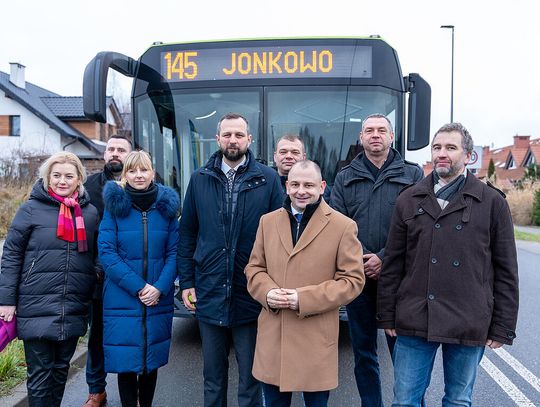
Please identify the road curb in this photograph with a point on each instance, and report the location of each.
(19, 397)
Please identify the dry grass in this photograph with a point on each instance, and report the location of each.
(521, 202)
(11, 197)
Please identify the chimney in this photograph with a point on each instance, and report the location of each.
(16, 76)
(521, 141)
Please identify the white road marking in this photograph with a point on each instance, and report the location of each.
(504, 382)
(519, 368)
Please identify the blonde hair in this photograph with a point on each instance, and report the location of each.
(63, 157)
(135, 159)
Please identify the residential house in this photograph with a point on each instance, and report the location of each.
(511, 162)
(37, 122)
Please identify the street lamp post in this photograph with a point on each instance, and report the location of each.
(452, 80)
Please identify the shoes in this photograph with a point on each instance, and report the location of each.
(96, 400)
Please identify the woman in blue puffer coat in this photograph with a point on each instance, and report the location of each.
(137, 244)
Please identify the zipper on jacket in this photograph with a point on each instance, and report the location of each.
(30, 270)
(145, 277)
(64, 292)
(297, 231)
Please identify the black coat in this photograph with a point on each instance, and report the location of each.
(210, 257)
(450, 275)
(46, 278)
(370, 203)
(94, 186)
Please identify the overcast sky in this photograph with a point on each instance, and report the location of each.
(497, 50)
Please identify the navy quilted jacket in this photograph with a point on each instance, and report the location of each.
(49, 281)
(213, 252)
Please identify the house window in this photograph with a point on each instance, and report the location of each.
(15, 126)
(10, 126)
(511, 164)
(530, 160)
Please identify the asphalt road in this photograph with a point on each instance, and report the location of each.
(506, 378)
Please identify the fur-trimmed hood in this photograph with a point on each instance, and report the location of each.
(118, 202)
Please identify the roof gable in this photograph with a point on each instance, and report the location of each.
(32, 98)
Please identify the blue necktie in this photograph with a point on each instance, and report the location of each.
(298, 217)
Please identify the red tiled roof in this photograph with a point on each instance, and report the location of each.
(519, 155)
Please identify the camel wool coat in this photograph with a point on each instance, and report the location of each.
(298, 350)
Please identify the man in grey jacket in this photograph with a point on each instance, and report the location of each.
(366, 191)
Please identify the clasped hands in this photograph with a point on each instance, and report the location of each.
(149, 295)
(278, 298)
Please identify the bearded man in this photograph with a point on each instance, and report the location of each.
(449, 278)
(224, 201)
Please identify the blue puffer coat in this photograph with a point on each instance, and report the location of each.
(213, 254)
(136, 248)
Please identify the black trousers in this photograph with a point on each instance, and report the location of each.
(95, 361)
(216, 344)
(132, 386)
(47, 370)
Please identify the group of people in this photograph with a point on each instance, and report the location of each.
(52, 278)
(265, 263)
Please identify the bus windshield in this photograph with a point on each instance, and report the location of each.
(179, 129)
(320, 89)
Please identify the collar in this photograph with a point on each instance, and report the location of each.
(473, 187)
(393, 161)
(294, 211)
(225, 167)
(442, 182)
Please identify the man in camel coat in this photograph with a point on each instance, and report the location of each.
(305, 264)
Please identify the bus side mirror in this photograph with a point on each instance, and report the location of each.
(95, 82)
(419, 112)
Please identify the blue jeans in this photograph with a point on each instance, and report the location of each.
(363, 330)
(216, 343)
(413, 363)
(95, 361)
(275, 398)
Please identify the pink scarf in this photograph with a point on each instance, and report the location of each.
(65, 221)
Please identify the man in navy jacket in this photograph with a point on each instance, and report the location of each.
(224, 202)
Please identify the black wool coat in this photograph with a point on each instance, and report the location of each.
(450, 275)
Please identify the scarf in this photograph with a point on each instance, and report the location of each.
(445, 193)
(65, 229)
(143, 199)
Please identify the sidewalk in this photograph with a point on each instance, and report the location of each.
(529, 229)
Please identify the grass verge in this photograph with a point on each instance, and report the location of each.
(12, 367)
(530, 237)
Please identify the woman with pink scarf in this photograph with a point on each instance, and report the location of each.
(48, 274)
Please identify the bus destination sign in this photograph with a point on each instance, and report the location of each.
(338, 61)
